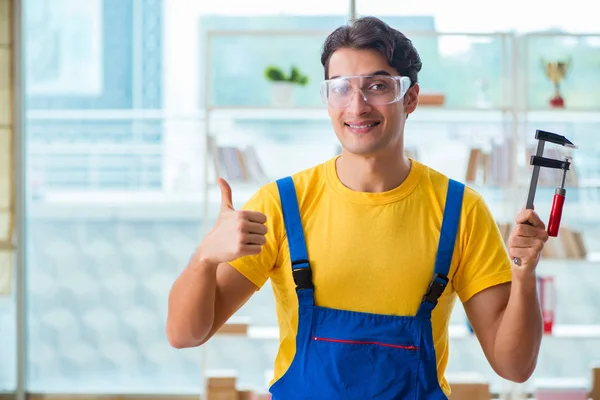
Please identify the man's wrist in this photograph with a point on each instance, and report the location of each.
(201, 261)
(524, 279)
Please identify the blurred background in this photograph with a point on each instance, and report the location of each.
(116, 116)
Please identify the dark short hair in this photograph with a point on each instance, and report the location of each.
(372, 33)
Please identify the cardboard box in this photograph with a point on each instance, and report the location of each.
(235, 326)
(221, 378)
(468, 386)
(221, 394)
(595, 392)
(470, 391)
(245, 395)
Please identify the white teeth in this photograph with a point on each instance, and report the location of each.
(362, 126)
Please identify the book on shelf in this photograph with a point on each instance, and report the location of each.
(493, 167)
(569, 244)
(237, 164)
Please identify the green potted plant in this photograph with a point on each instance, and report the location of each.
(283, 84)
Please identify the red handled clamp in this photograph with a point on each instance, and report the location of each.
(539, 161)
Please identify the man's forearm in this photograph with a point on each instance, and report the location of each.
(192, 305)
(520, 332)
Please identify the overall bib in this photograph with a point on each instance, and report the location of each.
(350, 355)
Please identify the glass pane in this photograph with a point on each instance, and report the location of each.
(476, 68)
(104, 244)
(577, 84)
(115, 177)
(490, 16)
(239, 61)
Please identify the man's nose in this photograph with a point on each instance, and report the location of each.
(358, 103)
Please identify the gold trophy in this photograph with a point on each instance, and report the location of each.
(556, 71)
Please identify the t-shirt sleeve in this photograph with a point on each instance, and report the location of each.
(484, 260)
(258, 268)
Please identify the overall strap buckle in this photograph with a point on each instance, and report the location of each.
(436, 288)
(302, 275)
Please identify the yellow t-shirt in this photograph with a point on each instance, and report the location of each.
(375, 252)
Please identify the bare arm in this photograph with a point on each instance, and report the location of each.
(202, 299)
(507, 318)
(508, 323)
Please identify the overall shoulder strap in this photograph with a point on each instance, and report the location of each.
(301, 270)
(443, 260)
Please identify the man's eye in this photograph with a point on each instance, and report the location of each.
(340, 90)
(378, 87)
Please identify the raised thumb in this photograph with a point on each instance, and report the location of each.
(226, 196)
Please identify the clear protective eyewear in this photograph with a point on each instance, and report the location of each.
(374, 89)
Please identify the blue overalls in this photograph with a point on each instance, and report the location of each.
(349, 355)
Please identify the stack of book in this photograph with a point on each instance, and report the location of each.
(237, 164)
(493, 167)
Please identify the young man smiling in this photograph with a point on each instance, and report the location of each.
(368, 251)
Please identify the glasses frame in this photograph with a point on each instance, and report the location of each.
(402, 84)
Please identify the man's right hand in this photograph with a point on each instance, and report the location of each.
(235, 234)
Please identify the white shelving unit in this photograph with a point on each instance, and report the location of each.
(511, 119)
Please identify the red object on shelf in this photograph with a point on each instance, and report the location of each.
(557, 102)
(547, 294)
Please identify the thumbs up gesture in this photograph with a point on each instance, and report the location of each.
(236, 233)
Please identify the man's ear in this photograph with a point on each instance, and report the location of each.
(411, 99)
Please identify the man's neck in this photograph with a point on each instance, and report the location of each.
(372, 174)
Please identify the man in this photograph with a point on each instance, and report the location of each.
(367, 252)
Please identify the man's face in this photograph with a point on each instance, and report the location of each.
(364, 128)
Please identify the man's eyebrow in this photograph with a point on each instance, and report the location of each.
(379, 72)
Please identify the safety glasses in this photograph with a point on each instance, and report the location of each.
(374, 89)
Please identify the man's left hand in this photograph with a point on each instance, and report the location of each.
(526, 241)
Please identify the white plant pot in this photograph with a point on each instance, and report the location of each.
(282, 94)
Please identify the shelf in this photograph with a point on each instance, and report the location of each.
(269, 113)
(563, 116)
(558, 332)
(422, 114)
(446, 114)
(454, 331)
(592, 260)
